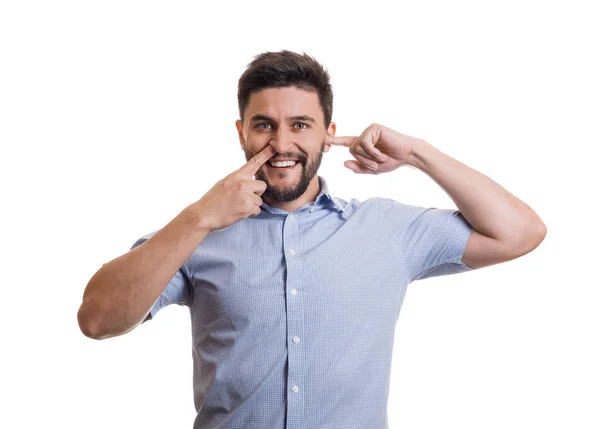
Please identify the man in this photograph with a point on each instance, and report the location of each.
(293, 293)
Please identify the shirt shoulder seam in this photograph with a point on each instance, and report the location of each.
(389, 228)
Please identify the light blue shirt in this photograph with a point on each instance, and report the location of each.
(293, 314)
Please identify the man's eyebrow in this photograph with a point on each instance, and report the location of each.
(260, 117)
(302, 118)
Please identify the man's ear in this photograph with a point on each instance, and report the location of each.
(238, 125)
(331, 133)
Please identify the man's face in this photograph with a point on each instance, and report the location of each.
(291, 120)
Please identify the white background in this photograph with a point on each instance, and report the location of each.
(116, 115)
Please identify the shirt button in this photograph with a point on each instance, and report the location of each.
(296, 340)
(295, 389)
(291, 217)
(312, 210)
(292, 251)
(294, 292)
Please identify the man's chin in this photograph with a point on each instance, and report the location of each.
(285, 193)
(280, 193)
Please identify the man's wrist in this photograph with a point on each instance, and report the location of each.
(420, 154)
(196, 219)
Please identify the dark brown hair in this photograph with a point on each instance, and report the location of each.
(284, 69)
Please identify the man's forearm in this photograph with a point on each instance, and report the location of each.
(487, 206)
(119, 295)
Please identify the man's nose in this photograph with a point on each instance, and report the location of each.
(282, 141)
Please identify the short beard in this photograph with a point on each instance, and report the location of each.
(293, 192)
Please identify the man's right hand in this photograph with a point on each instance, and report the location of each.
(235, 197)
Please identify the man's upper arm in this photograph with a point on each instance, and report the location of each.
(483, 251)
(178, 291)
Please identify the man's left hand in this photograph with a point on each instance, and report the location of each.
(378, 149)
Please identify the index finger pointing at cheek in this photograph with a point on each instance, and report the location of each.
(257, 161)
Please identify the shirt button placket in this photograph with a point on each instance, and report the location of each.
(295, 318)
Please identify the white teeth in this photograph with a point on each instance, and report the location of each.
(283, 163)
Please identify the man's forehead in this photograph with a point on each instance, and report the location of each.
(284, 102)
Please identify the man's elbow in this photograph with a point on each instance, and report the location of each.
(532, 238)
(92, 326)
(540, 233)
(88, 325)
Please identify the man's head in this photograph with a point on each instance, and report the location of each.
(285, 100)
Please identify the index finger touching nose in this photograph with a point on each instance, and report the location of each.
(257, 161)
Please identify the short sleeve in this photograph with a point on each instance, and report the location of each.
(178, 291)
(432, 241)
(439, 238)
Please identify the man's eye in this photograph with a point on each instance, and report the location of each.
(301, 125)
(263, 125)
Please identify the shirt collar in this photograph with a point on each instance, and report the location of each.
(323, 201)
